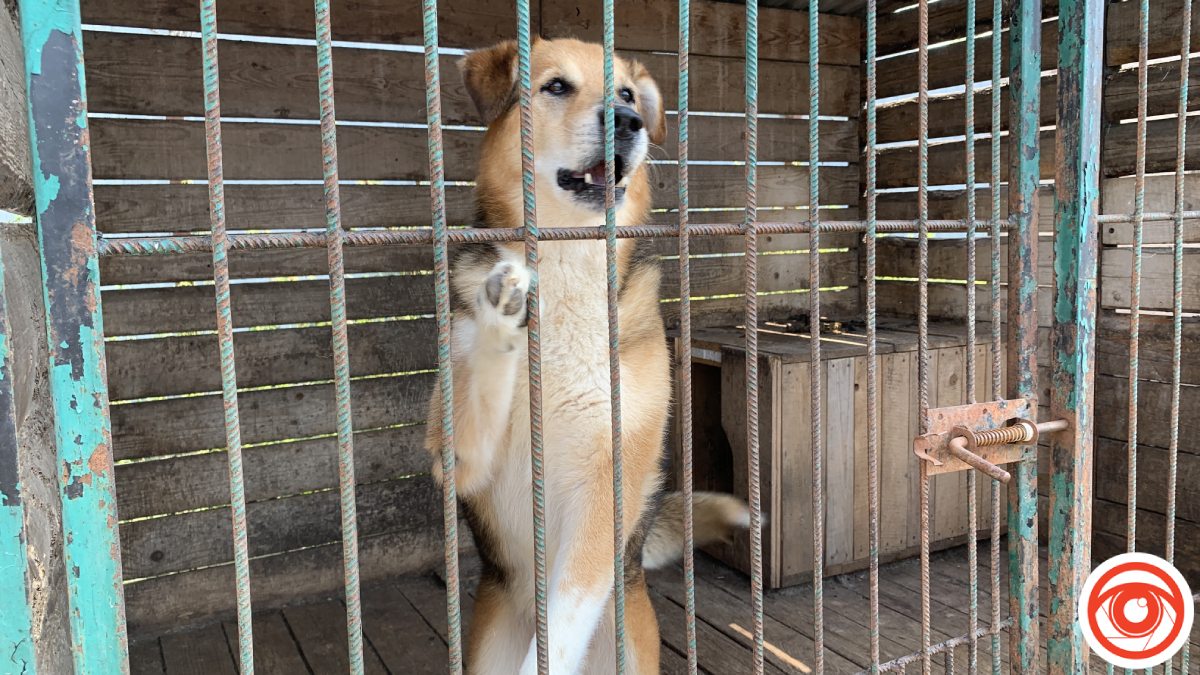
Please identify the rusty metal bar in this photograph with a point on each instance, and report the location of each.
(341, 352)
(530, 234)
(1025, 29)
(814, 315)
(233, 434)
(62, 177)
(1135, 280)
(1147, 217)
(972, 489)
(900, 662)
(441, 282)
(872, 374)
(1073, 332)
(923, 311)
(751, 262)
(16, 622)
(685, 341)
(958, 448)
(997, 388)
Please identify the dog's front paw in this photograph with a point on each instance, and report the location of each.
(501, 298)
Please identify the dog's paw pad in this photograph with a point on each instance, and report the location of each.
(505, 288)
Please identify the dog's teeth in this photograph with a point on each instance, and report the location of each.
(587, 178)
(623, 181)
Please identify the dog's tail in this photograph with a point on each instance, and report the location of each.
(715, 518)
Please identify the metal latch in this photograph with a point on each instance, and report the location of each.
(981, 436)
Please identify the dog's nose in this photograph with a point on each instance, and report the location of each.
(628, 122)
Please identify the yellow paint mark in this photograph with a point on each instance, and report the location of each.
(784, 656)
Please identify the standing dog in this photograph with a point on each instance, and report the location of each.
(491, 389)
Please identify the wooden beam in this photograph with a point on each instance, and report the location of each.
(16, 186)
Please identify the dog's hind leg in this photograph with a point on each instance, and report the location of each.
(641, 636)
(499, 634)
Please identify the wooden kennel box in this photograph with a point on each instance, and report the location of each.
(785, 441)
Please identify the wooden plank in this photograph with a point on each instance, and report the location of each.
(187, 541)
(1162, 91)
(835, 304)
(153, 311)
(947, 116)
(947, 259)
(461, 23)
(767, 243)
(862, 512)
(277, 81)
(791, 456)
(949, 515)
(895, 396)
(275, 651)
(952, 205)
(171, 208)
(839, 432)
(193, 424)
(198, 652)
(1112, 462)
(136, 368)
(161, 603)
(897, 76)
(726, 275)
(1109, 524)
(718, 653)
(275, 470)
(1158, 278)
(402, 639)
(718, 29)
(898, 167)
(145, 658)
(16, 179)
(1155, 348)
(1154, 402)
(320, 630)
(1120, 147)
(898, 31)
(947, 301)
(1166, 29)
(184, 208)
(1117, 195)
(428, 597)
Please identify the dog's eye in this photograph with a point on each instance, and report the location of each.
(627, 95)
(557, 87)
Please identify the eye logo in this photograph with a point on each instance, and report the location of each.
(1136, 610)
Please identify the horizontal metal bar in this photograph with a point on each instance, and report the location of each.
(1159, 215)
(899, 662)
(139, 246)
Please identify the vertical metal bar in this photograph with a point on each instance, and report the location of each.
(972, 489)
(685, 341)
(1073, 337)
(997, 388)
(16, 621)
(1177, 300)
(1025, 34)
(62, 174)
(524, 86)
(1135, 281)
(814, 316)
(341, 354)
(872, 385)
(923, 310)
(233, 434)
(614, 350)
(751, 260)
(441, 278)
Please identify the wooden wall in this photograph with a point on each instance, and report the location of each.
(1118, 162)
(148, 151)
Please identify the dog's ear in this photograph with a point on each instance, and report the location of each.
(490, 75)
(649, 103)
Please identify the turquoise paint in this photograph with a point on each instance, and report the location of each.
(75, 334)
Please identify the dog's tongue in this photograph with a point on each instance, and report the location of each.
(597, 172)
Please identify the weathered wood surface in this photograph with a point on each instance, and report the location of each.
(947, 259)
(155, 74)
(952, 205)
(320, 631)
(947, 116)
(1162, 91)
(1155, 335)
(16, 169)
(899, 167)
(1158, 278)
(1117, 195)
(898, 31)
(1120, 147)
(275, 649)
(1154, 402)
(1166, 29)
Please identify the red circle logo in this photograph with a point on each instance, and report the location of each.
(1136, 610)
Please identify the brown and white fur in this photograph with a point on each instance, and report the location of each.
(491, 386)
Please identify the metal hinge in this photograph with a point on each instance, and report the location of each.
(981, 436)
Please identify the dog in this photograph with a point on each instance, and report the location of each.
(491, 417)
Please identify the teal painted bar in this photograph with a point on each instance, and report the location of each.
(16, 642)
(75, 333)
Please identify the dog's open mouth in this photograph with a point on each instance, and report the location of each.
(591, 180)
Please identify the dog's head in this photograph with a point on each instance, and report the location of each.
(567, 78)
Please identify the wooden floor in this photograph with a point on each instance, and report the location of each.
(404, 626)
